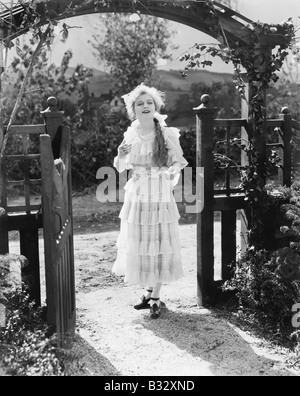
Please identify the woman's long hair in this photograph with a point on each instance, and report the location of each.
(160, 152)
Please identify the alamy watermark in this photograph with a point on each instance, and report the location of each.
(2, 315)
(187, 191)
(296, 317)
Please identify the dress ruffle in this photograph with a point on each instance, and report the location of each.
(175, 153)
(150, 213)
(142, 150)
(147, 254)
(148, 246)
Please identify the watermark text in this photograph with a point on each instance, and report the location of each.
(296, 317)
(153, 184)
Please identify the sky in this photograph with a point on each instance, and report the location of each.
(269, 11)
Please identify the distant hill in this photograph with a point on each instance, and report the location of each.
(174, 78)
(99, 84)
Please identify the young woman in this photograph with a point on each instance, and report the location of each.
(148, 243)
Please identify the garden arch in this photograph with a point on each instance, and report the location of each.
(200, 15)
(205, 16)
(196, 14)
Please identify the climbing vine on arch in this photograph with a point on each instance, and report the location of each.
(261, 62)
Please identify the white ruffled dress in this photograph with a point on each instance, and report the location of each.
(148, 246)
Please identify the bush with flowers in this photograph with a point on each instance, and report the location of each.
(266, 278)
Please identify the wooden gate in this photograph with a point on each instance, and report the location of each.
(58, 236)
(23, 214)
(50, 211)
(229, 201)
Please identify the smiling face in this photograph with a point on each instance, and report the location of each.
(144, 107)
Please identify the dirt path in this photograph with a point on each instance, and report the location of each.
(115, 339)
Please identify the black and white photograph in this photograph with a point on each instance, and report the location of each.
(149, 190)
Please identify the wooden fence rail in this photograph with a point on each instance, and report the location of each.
(51, 211)
(229, 200)
(24, 216)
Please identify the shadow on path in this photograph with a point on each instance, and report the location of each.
(84, 360)
(213, 340)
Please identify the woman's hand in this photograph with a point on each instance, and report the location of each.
(124, 149)
(172, 172)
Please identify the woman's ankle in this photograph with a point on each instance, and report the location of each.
(148, 293)
(154, 300)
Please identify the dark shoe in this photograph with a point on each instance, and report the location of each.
(143, 304)
(155, 309)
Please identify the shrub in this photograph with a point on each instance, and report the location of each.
(9, 280)
(97, 147)
(290, 213)
(267, 284)
(274, 218)
(267, 276)
(188, 145)
(26, 349)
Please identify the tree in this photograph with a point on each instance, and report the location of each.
(131, 49)
(285, 93)
(45, 80)
(223, 94)
(41, 35)
(67, 85)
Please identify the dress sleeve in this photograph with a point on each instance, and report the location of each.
(124, 163)
(175, 153)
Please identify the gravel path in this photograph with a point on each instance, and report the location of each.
(112, 338)
(185, 341)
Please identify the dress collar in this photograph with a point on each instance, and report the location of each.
(159, 117)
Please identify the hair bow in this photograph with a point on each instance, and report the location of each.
(161, 118)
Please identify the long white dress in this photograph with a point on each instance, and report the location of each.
(148, 245)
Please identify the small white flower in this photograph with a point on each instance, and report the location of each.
(134, 17)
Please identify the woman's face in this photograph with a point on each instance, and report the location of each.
(144, 107)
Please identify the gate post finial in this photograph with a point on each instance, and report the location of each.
(205, 99)
(52, 117)
(52, 103)
(285, 110)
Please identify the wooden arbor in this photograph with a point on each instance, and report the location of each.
(200, 15)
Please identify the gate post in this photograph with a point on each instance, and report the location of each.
(53, 121)
(205, 219)
(29, 247)
(4, 245)
(285, 174)
(244, 161)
